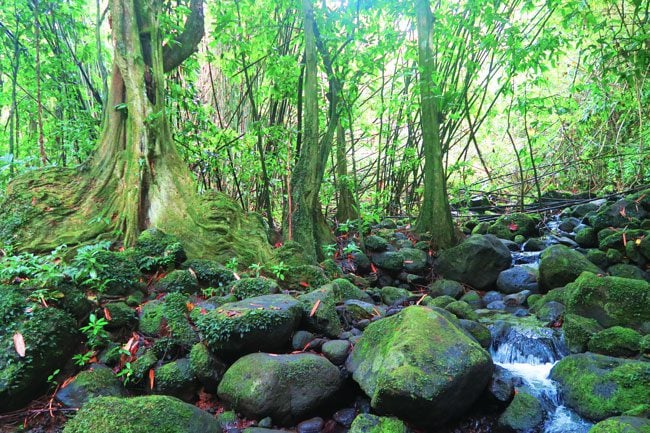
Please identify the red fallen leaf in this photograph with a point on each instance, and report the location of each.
(19, 344)
(107, 314)
(304, 283)
(512, 227)
(314, 308)
(622, 212)
(189, 306)
(152, 375)
(33, 201)
(373, 268)
(624, 238)
(191, 271)
(204, 311)
(277, 245)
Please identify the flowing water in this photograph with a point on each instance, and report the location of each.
(529, 353)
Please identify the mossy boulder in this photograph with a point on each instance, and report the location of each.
(304, 277)
(622, 424)
(178, 281)
(118, 273)
(439, 302)
(476, 262)
(478, 331)
(444, 287)
(155, 249)
(415, 260)
(376, 243)
(368, 423)
(169, 317)
(610, 301)
(578, 331)
(284, 387)
(50, 336)
(625, 270)
(319, 311)
(598, 386)
(560, 265)
(391, 261)
(586, 237)
(344, 290)
(262, 323)
(256, 286)
(390, 295)
(619, 214)
(177, 379)
(98, 380)
(509, 226)
(419, 366)
(121, 316)
(524, 414)
(207, 368)
(209, 273)
(616, 341)
(148, 414)
(462, 310)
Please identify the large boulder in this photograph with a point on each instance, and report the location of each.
(262, 323)
(610, 301)
(524, 414)
(622, 424)
(516, 279)
(516, 224)
(141, 415)
(476, 262)
(598, 386)
(420, 367)
(284, 387)
(560, 265)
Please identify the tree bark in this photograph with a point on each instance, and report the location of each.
(435, 213)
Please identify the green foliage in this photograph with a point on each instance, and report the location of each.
(279, 270)
(96, 335)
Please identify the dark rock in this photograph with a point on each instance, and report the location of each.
(312, 425)
(473, 299)
(535, 244)
(478, 331)
(462, 310)
(501, 389)
(516, 299)
(176, 379)
(568, 224)
(155, 249)
(300, 339)
(324, 319)
(209, 273)
(345, 416)
(121, 316)
(508, 226)
(477, 261)
(391, 261)
(245, 288)
(550, 312)
(578, 331)
(419, 366)
(336, 351)
(98, 380)
(415, 261)
(362, 262)
(284, 387)
(492, 296)
(586, 237)
(628, 271)
(390, 295)
(376, 243)
(178, 281)
(207, 368)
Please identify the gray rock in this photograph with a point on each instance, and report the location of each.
(336, 351)
(516, 279)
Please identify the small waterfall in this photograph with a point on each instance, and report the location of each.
(529, 353)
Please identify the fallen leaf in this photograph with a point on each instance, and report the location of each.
(408, 262)
(107, 314)
(622, 212)
(152, 375)
(19, 344)
(314, 308)
(304, 283)
(237, 277)
(191, 271)
(421, 299)
(189, 306)
(624, 240)
(513, 227)
(373, 268)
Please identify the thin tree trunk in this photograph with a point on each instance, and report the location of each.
(39, 102)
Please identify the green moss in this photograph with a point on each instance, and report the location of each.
(209, 273)
(578, 331)
(616, 341)
(297, 276)
(622, 424)
(250, 287)
(160, 414)
(560, 265)
(598, 258)
(523, 414)
(586, 237)
(155, 249)
(324, 319)
(444, 287)
(143, 364)
(292, 254)
(367, 423)
(118, 272)
(462, 310)
(177, 379)
(617, 239)
(391, 295)
(206, 367)
(614, 256)
(599, 386)
(331, 268)
(440, 301)
(344, 290)
(509, 226)
(178, 281)
(175, 313)
(151, 318)
(122, 316)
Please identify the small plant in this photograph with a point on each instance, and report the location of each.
(125, 373)
(86, 269)
(232, 264)
(45, 295)
(82, 359)
(344, 227)
(351, 248)
(209, 292)
(329, 250)
(256, 268)
(51, 379)
(96, 335)
(279, 270)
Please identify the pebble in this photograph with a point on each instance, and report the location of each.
(345, 416)
(313, 425)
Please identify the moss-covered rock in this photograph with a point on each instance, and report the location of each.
(121, 316)
(618, 239)
(209, 273)
(149, 414)
(578, 331)
(284, 387)
(336, 351)
(616, 341)
(622, 424)
(598, 258)
(625, 270)
(619, 214)
(178, 281)
(367, 423)
(344, 290)
(304, 277)
(319, 311)
(419, 366)
(598, 386)
(478, 331)
(292, 254)
(155, 249)
(391, 295)
(609, 300)
(586, 237)
(98, 380)
(176, 379)
(560, 265)
(524, 414)
(169, 317)
(509, 226)
(256, 286)
(439, 302)
(50, 336)
(476, 262)
(391, 261)
(415, 260)
(207, 368)
(118, 273)
(473, 299)
(376, 243)
(462, 310)
(446, 287)
(146, 361)
(260, 323)
(516, 279)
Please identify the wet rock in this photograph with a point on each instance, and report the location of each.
(535, 244)
(501, 389)
(578, 331)
(462, 310)
(121, 316)
(624, 270)
(98, 380)
(419, 366)
(391, 295)
(284, 387)
(516, 299)
(516, 279)
(415, 260)
(478, 331)
(473, 299)
(300, 339)
(560, 265)
(319, 311)
(376, 243)
(345, 417)
(508, 226)
(524, 414)
(586, 237)
(598, 386)
(178, 281)
(568, 224)
(209, 273)
(150, 414)
(496, 305)
(492, 296)
(476, 262)
(551, 312)
(359, 310)
(207, 368)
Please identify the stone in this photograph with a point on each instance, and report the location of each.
(376, 243)
(177, 281)
(599, 386)
(550, 312)
(492, 296)
(524, 414)
(323, 319)
(177, 379)
(560, 265)
(209, 273)
(245, 288)
(501, 389)
(516, 279)
(391, 261)
(155, 249)
(476, 262)
(586, 237)
(446, 287)
(312, 425)
(156, 413)
(462, 310)
(415, 260)
(516, 299)
(262, 323)
(284, 387)
(616, 341)
(207, 368)
(391, 295)
(336, 351)
(97, 381)
(622, 424)
(345, 417)
(472, 298)
(419, 366)
(578, 331)
(509, 226)
(625, 270)
(478, 331)
(367, 423)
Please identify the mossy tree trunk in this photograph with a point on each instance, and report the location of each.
(346, 207)
(136, 178)
(435, 213)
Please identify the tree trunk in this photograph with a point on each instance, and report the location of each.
(136, 178)
(346, 208)
(435, 213)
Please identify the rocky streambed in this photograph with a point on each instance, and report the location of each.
(516, 329)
